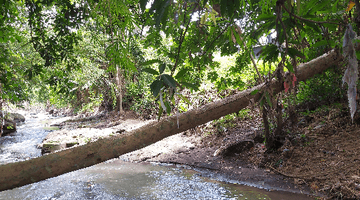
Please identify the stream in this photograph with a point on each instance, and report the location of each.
(117, 179)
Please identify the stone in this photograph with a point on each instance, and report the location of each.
(17, 117)
(51, 147)
(8, 127)
(10, 122)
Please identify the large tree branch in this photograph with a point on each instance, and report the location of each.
(21, 173)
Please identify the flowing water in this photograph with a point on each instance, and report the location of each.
(116, 179)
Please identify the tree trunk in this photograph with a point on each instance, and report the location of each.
(37, 169)
(119, 89)
(2, 117)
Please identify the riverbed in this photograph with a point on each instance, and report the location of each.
(117, 179)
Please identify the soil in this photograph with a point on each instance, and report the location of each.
(319, 156)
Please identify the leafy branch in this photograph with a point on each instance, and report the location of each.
(182, 39)
(309, 20)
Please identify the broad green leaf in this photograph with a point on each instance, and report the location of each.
(262, 100)
(319, 6)
(358, 55)
(190, 85)
(150, 71)
(181, 73)
(294, 52)
(290, 67)
(162, 68)
(143, 4)
(320, 43)
(169, 80)
(270, 52)
(313, 26)
(254, 92)
(155, 87)
(266, 17)
(334, 7)
(149, 62)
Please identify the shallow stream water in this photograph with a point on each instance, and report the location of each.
(116, 179)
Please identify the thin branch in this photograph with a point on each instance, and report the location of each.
(222, 32)
(182, 39)
(309, 20)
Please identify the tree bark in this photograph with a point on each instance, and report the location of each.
(119, 90)
(21, 173)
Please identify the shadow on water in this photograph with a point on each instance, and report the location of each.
(117, 179)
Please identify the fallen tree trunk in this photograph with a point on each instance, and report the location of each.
(21, 173)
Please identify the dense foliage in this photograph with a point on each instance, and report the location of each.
(110, 54)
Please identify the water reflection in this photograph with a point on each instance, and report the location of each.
(121, 180)
(117, 179)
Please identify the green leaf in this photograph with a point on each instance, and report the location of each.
(203, 19)
(155, 87)
(320, 43)
(266, 17)
(162, 68)
(160, 111)
(213, 16)
(318, 7)
(270, 52)
(169, 80)
(184, 99)
(334, 7)
(150, 71)
(254, 92)
(267, 97)
(237, 37)
(168, 108)
(190, 85)
(313, 26)
(181, 73)
(294, 52)
(162, 11)
(143, 4)
(262, 100)
(290, 67)
(358, 55)
(149, 62)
